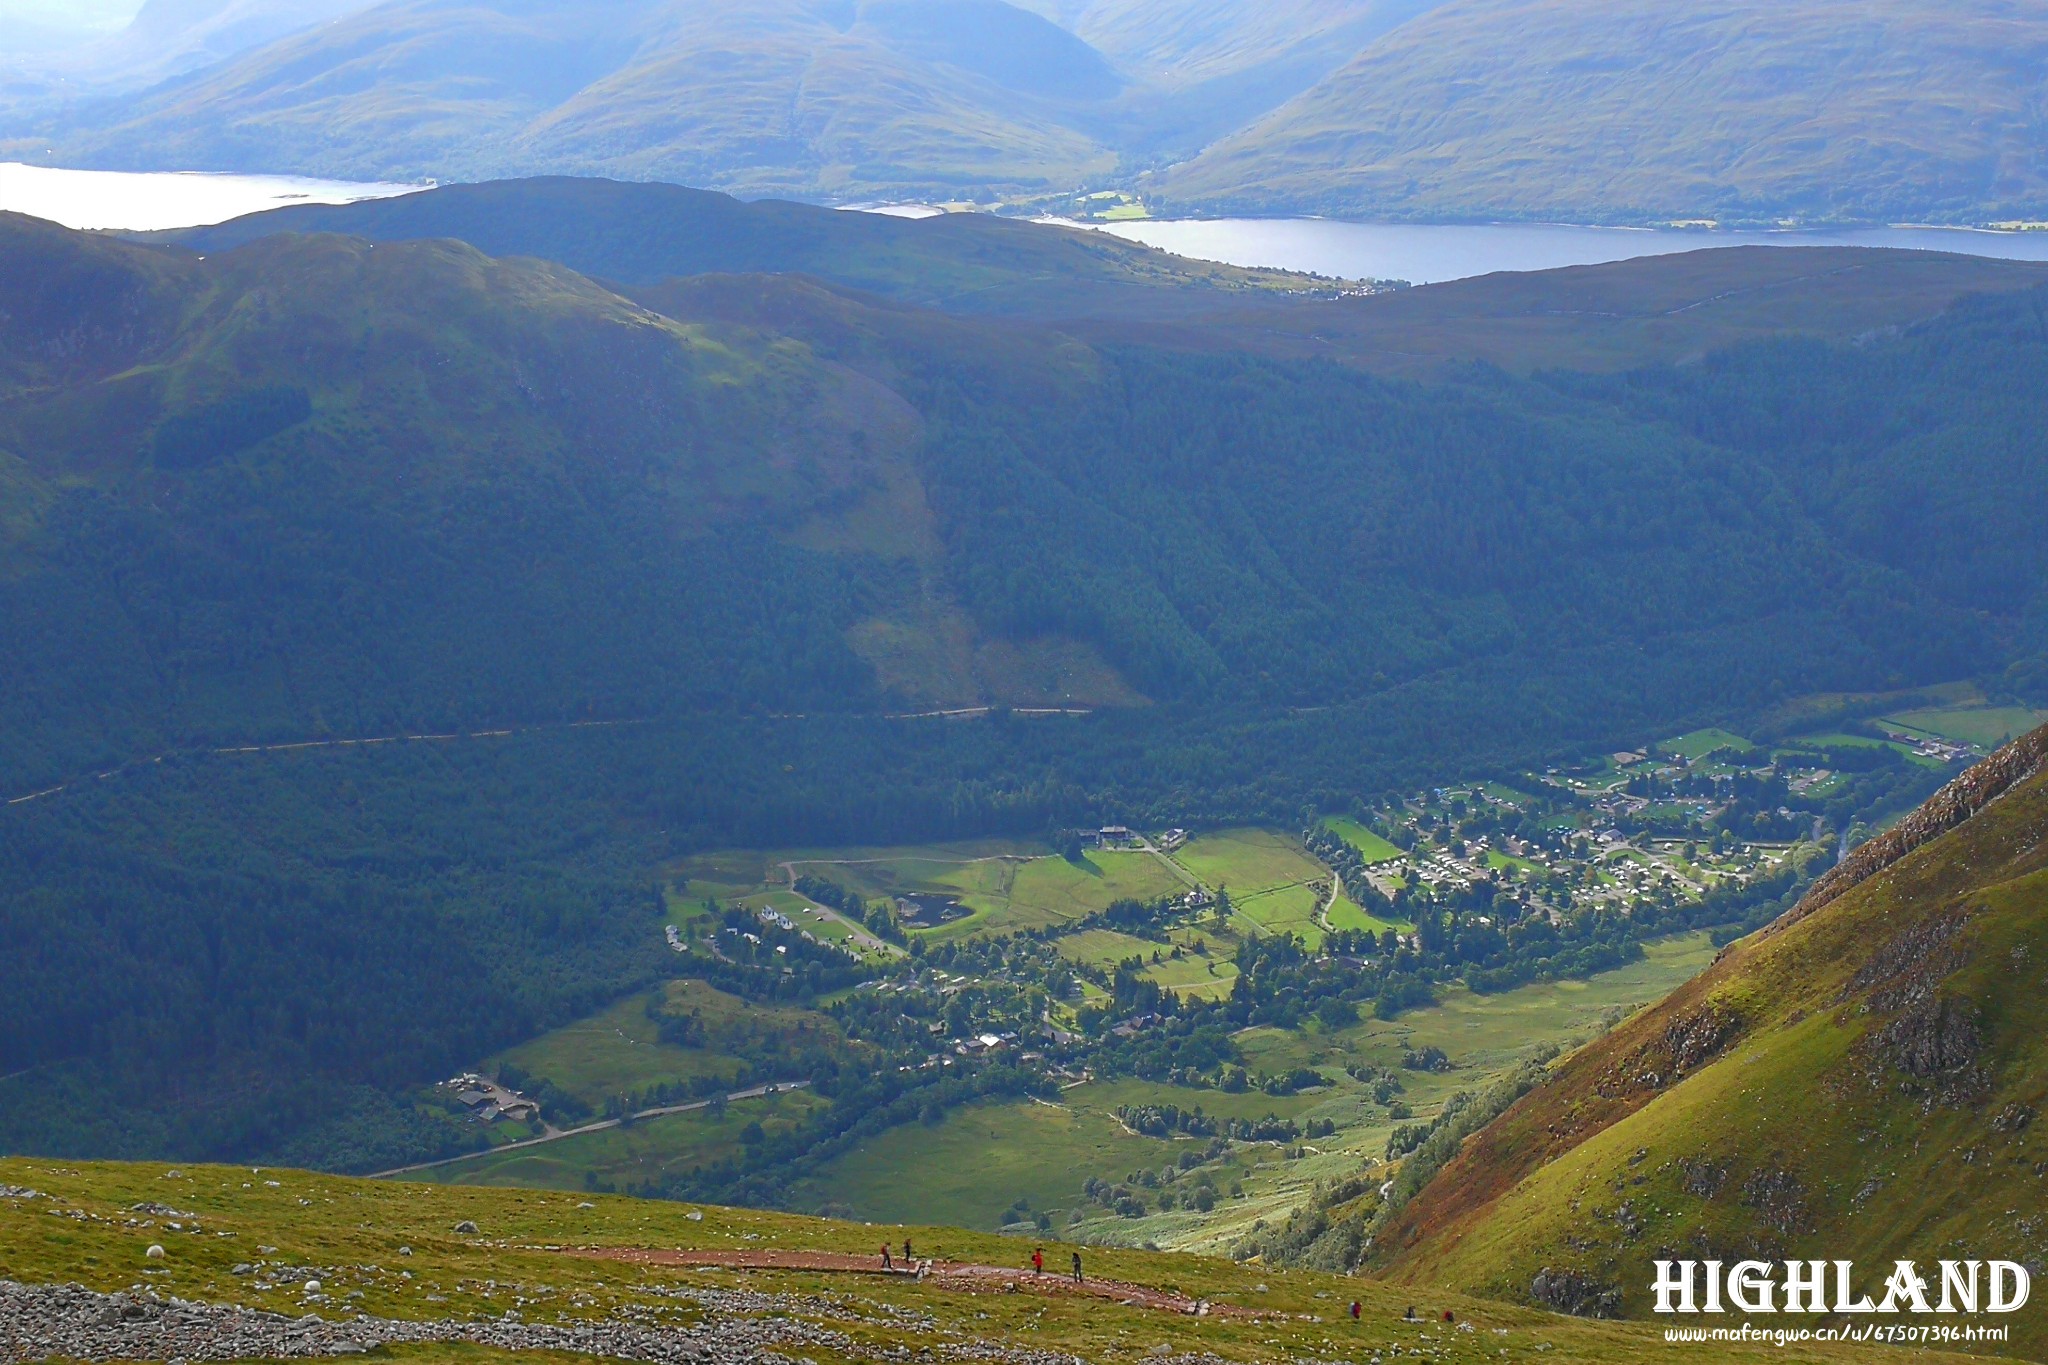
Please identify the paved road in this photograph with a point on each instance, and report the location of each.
(774, 1087)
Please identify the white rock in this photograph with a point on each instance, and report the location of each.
(155, 1253)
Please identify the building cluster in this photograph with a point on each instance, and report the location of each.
(489, 1101)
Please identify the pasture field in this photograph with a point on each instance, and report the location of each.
(1842, 741)
(1052, 891)
(1987, 727)
(619, 1051)
(616, 1052)
(1103, 947)
(977, 1162)
(1200, 978)
(1347, 914)
(640, 1154)
(1006, 885)
(1371, 847)
(1279, 910)
(1700, 743)
(1249, 861)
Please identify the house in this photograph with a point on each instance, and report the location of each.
(1173, 839)
(1114, 836)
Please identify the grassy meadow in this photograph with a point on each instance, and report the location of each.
(81, 1224)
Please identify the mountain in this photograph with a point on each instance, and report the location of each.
(818, 97)
(1202, 69)
(831, 99)
(1859, 1081)
(637, 233)
(611, 571)
(1737, 110)
(1634, 111)
(93, 56)
(168, 38)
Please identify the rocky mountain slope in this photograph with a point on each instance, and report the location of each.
(1860, 1081)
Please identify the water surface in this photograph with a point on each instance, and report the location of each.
(152, 200)
(1425, 254)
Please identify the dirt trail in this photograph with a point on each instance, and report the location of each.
(973, 1279)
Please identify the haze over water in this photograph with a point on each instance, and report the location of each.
(153, 200)
(1429, 254)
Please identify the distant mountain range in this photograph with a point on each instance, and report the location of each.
(1636, 109)
(1816, 110)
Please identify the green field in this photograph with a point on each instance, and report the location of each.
(1248, 861)
(1005, 884)
(642, 1153)
(1103, 947)
(1346, 914)
(616, 1052)
(1987, 727)
(1200, 978)
(1700, 743)
(1371, 847)
(619, 1051)
(1268, 876)
(977, 1162)
(1842, 741)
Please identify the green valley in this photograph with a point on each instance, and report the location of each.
(748, 738)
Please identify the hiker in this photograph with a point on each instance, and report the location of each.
(1410, 1314)
(1448, 1316)
(1354, 1310)
(1077, 1267)
(885, 1256)
(907, 1257)
(1038, 1260)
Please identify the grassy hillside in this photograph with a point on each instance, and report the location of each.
(640, 234)
(514, 1271)
(1859, 1081)
(1561, 109)
(1617, 316)
(792, 96)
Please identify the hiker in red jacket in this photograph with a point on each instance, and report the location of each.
(885, 1256)
(1038, 1260)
